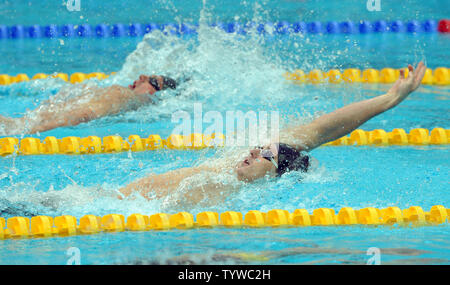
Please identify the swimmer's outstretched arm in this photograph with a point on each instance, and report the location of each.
(341, 122)
(92, 104)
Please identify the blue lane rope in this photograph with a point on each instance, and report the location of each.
(282, 27)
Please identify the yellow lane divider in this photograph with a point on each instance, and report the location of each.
(76, 77)
(109, 144)
(438, 76)
(380, 137)
(45, 226)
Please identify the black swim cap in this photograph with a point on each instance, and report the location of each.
(291, 159)
(169, 82)
(154, 82)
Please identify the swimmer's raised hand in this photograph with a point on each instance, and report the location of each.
(405, 86)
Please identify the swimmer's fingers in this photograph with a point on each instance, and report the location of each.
(419, 74)
(411, 73)
(402, 74)
(422, 69)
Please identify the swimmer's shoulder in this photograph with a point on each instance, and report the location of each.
(117, 91)
(118, 88)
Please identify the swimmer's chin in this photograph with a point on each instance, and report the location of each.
(241, 174)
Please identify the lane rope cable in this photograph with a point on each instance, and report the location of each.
(45, 226)
(115, 143)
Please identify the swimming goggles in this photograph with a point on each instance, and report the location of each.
(268, 154)
(154, 82)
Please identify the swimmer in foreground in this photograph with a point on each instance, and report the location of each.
(191, 186)
(94, 103)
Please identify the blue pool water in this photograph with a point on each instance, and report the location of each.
(228, 72)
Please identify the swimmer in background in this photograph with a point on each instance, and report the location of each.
(192, 186)
(94, 103)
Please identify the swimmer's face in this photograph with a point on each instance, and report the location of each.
(142, 86)
(255, 166)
